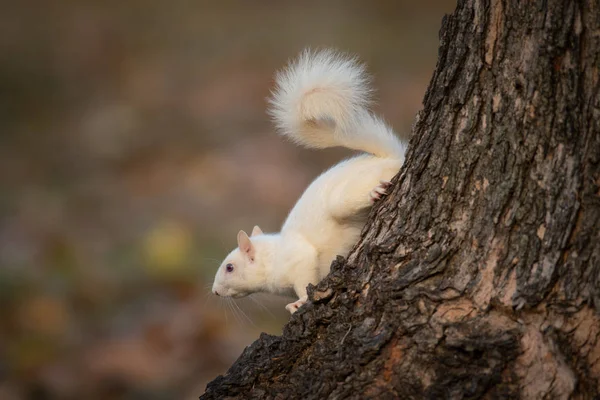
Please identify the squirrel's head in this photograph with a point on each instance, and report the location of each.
(241, 273)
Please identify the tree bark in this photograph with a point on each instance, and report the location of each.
(479, 276)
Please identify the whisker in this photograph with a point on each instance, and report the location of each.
(235, 306)
(227, 306)
(205, 299)
(236, 315)
(258, 303)
(220, 302)
(226, 313)
(244, 314)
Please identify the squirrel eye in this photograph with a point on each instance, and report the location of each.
(229, 268)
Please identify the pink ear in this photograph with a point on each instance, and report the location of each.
(245, 244)
(256, 231)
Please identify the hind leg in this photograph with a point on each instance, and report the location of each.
(354, 196)
(379, 191)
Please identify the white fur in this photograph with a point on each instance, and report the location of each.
(320, 100)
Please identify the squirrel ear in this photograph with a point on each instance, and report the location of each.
(256, 231)
(245, 244)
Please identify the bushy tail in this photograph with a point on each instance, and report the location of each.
(322, 100)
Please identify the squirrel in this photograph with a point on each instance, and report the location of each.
(320, 100)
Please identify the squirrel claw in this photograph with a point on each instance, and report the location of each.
(379, 191)
(293, 307)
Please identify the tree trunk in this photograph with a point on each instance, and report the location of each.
(479, 276)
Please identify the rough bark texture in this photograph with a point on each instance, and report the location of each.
(480, 275)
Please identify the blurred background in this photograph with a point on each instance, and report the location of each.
(134, 145)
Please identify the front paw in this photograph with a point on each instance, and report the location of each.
(293, 307)
(379, 191)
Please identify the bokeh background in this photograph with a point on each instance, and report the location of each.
(134, 145)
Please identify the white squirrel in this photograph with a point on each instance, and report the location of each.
(320, 100)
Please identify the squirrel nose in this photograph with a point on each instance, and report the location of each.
(217, 293)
